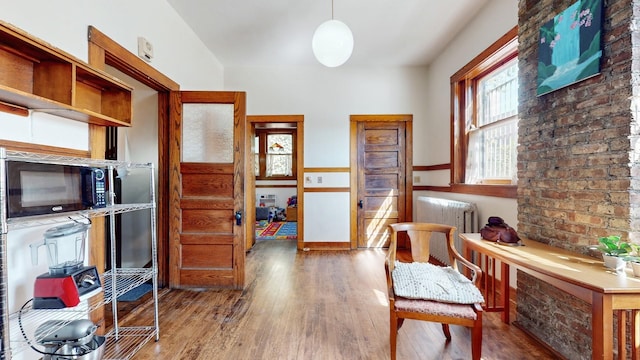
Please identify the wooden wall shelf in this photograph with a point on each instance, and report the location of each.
(38, 76)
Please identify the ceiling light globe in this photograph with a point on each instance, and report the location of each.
(332, 43)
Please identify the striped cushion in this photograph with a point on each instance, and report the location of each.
(429, 282)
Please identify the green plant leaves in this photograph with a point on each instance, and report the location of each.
(613, 245)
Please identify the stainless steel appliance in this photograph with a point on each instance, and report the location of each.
(70, 340)
(35, 188)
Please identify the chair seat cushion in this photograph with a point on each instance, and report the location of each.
(426, 281)
(435, 308)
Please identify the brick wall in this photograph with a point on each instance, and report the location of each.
(575, 162)
(545, 310)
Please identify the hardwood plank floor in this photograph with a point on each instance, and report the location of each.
(310, 305)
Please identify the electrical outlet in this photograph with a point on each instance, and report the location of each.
(319, 180)
(416, 179)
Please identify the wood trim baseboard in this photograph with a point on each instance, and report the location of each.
(432, 167)
(431, 188)
(327, 189)
(505, 191)
(277, 186)
(382, 118)
(326, 246)
(327, 169)
(275, 118)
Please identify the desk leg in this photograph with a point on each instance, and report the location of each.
(504, 275)
(635, 334)
(601, 326)
(622, 334)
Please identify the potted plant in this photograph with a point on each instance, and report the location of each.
(614, 251)
(634, 259)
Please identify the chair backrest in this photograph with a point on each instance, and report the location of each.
(420, 238)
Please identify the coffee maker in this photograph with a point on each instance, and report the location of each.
(68, 279)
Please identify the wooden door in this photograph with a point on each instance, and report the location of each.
(383, 197)
(207, 189)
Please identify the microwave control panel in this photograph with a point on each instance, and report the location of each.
(100, 188)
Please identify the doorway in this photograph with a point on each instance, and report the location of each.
(138, 144)
(275, 193)
(381, 168)
(103, 52)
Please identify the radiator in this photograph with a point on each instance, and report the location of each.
(462, 215)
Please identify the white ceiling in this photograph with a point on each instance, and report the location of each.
(279, 32)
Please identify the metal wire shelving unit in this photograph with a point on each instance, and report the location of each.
(122, 342)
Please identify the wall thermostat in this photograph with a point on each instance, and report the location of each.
(145, 49)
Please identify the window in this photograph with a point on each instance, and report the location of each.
(485, 121)
(275, 156)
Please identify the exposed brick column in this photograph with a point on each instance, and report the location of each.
(634, 191)
(575, 163)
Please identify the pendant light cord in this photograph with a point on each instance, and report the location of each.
(331, 9)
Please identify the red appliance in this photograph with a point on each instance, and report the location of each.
(67, 279)
(64, 290)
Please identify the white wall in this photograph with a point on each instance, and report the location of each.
(179, 54)
(282, 193)
(327, 97)
(177, 51)
(487, 205)
(496, 19)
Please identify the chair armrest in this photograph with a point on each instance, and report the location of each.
(475, 269)
(388, 268)
(389, 265)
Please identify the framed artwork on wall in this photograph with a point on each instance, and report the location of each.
(569, 48)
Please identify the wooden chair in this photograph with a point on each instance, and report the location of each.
(468, 315)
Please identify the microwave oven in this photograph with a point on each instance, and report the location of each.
(43, 188)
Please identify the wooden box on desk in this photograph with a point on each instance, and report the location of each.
(292, 213)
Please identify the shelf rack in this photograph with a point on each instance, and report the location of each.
(40, 77)
(122, 342)
(20, 223)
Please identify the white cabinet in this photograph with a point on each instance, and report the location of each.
(268, 200)
(115, 282)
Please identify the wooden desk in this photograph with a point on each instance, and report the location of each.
(578, 275)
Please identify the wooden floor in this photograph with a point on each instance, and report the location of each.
(311, 305)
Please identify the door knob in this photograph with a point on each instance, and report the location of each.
(238, 218)
(360, 204)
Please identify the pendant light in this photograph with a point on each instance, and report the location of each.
(332, 42)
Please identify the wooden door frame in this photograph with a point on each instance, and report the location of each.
(250, 181)
(104, 51)
(353, 155)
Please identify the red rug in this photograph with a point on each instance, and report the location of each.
(271, 229)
